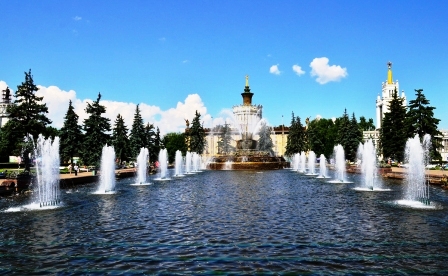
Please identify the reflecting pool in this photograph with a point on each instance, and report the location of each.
(230, 222)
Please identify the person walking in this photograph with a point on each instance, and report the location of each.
(76, 169)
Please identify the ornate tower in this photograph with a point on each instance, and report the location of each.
(247, 117)
(382, 102)
(5, 102)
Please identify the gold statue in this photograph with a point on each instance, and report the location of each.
(247, 80)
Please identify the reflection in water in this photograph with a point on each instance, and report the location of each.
(228, 221)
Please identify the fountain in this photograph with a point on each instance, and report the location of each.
(196, 162)
(296, 162)
(47, 170)
(188, 161)
(163, 165)
(311, 163)
(417, 191)
(339, 165)
(303, 162)
(142, 167)
(367, 156)
(247, 157)
(47, 187)
(107, 168)
(178, 164)
(322, 167)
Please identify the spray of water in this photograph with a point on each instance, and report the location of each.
(322, 167)
(311, 163)
(178, 163)
(47, 169)
(142, 164)
(416, 154)
(163, 163)
(107, 178)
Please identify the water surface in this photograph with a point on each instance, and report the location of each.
(272, 222)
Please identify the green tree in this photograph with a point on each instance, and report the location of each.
(150, 142)
(158, 143)
(343, 130)
(322, 135)
(137, 136)
(420, 120)
(297, 140)
(27, 117)
(70, 135)
(174, 142)
(393, 134)
(52, 132)
(265, 141)
(366, 125)
(95, 133)
(120, 139)
(349, 135)
(354, 138)
(197, 135)
(225, 139)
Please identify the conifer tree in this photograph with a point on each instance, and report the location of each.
(420, 120)
(265, 141)
(158, 144)
(120, 139)
(27, 117)
(95, 133)
(225, 140)
(296, 141)
(137, 135)
(393, 134)
(150, 137)
(354, 138)
(70, 135)
(343, 130)
(197, 135)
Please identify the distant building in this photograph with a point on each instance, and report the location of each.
(383, 101)
(5, 102)
(251, 115)
(382, 107)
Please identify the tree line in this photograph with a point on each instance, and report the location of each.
(321, 135)
(28, 118)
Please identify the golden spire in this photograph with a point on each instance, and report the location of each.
(247, 80)
(389, 73)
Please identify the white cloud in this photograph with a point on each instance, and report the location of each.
(296, 68)
(3, 86)
(171, 120)
(57, 102)
(225, 116)
(185, 61)
(326, 73)
(77, 18)
(274, 70)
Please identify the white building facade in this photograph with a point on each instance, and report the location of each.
(5, 102)
(383, 101)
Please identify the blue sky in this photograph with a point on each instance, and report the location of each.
(173, 57)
